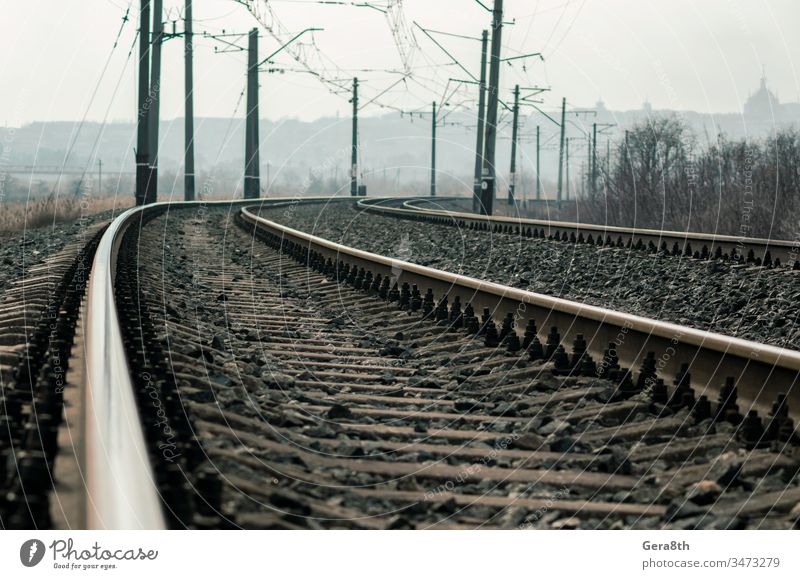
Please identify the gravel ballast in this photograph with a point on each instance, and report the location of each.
(746, 301)
(20, 251)
(309, 404)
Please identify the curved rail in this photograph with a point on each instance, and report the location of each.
(121, 492)
(702, 243)
(119, 479)
(762, 372)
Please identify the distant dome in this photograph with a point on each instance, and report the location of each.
(763, 103)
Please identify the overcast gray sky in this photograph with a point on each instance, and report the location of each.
(681, 54)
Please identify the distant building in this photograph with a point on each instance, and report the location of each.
(763, 104)
(764, 107)
(600, 107)
(761, 114)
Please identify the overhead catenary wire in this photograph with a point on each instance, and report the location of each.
(419, 73)
(327, 71)
(95, 90)
(104, 123)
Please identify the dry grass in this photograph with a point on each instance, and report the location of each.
(17, 216)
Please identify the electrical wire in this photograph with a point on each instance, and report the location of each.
(77, 132)
(101, 131)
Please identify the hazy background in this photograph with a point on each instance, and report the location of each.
(710, 52)
(58, 66)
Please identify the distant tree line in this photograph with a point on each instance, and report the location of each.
(659, 176)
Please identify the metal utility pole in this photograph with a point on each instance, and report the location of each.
(513, 181)
(583, 180)
(476, 189)
(566, 154)
(538, 175)
(589, 162)
(354, 147)
(252, 140)
(594, 159)
(488, 174)
(561, 148)
(252, 182)
(188, 164)
(142, 138)
(99, 176)
(433, 151)
(155, 96)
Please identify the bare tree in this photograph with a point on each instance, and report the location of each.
(659, 178)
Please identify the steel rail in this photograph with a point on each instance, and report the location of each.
(119, 479)
(120, 486)
(762, 372)
(785, 250)
(121, 493)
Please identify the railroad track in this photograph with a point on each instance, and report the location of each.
(759, 251)
(38, 318)
(243, 374)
